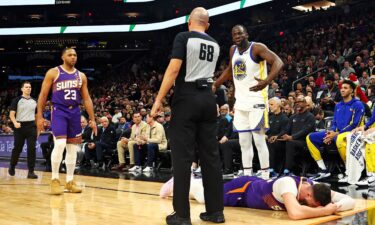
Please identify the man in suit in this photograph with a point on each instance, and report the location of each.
(106, 140)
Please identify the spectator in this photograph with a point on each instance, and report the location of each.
(153, 142)
(346, 71)
(278, 127)
(300, 124)
(104, 142)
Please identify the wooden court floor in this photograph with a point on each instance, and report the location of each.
(115, 201)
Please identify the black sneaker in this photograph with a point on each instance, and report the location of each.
(11, 171)
(216, 217)
(32, 175)
(174, 219)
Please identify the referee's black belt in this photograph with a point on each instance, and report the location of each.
(194, 86)
(26, 122)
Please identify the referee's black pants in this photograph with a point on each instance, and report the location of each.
(193, 122)
(27, 132)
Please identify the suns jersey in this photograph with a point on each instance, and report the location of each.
(67, 88)
(245, 69)
(256, 193)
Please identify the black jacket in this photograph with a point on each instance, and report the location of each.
(108, 136)
(300, 125)
(278, 125)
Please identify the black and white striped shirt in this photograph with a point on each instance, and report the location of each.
(199, 53)
(25, 108)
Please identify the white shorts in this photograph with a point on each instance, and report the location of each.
(247, 121)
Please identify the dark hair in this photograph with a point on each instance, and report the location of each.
(330, 77)
(66, 49)
(25, 82)
(242, 26)
(136, 112)
(322, 194)
(350, 83)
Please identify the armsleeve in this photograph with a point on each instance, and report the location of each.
(357, 117)
(13, 105)
(344, 202)
(179, 47)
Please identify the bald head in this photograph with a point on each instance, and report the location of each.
(199, 16)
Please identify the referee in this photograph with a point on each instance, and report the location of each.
(191, 68)
(22, 114)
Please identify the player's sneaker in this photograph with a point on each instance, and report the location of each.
(55, 187)
(321, 174)
(71, 187)
(135, 169)
(148, 169)
(363, 182)
(343, 180)
(371, 181)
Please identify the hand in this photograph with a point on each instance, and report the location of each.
(272, 139)
(330, 209)
(359, 129)
(94, 127)
(329, 137)
(17, 125)
(40, 124)
(223, 140)
(124, 140)
(156, 108)
(213, 88)
(260, 86)
(286, 137)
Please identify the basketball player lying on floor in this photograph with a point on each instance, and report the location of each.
(300, 197)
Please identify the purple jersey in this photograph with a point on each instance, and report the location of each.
(254, 192)
(67, 88)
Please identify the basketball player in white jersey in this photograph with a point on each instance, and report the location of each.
(248, 66)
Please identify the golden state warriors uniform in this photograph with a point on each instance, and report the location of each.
(251, 108)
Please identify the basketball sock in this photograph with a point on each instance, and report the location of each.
(56, 156)
(70, 160)
(263, 153)
(246, 149)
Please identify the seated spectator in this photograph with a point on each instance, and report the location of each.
(348, 115)
(105, 141)
(278, 127)
(154, 141)
(228, 145)
(288, 109)
(319, 119)
(116, 116)
(300, 124)
(138, 129)
(329, 96)
(47, 148)
(346, 70)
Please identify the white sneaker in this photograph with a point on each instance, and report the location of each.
(363, 182)
(239, 174)
(148, 169)
(135, 169)
(343, 180)
(371, 181)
